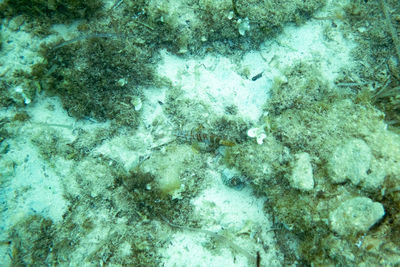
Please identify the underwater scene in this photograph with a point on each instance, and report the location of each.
(176, 133)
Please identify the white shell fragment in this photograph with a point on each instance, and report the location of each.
(244, 26)
(257, 133)
(20, 90)
(137, 103)
(252, 132)
(260, 138)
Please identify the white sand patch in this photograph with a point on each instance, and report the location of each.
(316, 42)
(215, 81)
(32, 186)
(19, 47)
(220, 82)
(236, 215)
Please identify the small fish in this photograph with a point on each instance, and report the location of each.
(258, 76)
(209, 139)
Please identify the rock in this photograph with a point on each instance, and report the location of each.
(302, 175)
(354, 161)
(355, 215)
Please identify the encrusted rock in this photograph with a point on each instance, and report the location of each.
(302, 175)
(355, 215)
(350, 161)
(354, 161)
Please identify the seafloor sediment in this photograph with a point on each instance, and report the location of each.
(200, 133)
